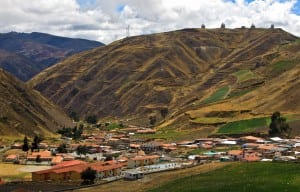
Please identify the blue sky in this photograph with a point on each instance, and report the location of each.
(107, 20)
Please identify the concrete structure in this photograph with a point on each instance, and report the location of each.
(139, 161)
(133, 174)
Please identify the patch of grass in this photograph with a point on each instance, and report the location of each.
(241, 93)
(173, 135)
(244, 126)
(282, 66)
(112, 126)
(217, 95)
(244, 75)
(238, 177)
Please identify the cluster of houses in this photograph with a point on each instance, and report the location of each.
(128, 154)
(249, 148)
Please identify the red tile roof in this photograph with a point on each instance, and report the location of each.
(79, 166)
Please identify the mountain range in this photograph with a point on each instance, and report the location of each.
(193, 73)
(26, 54)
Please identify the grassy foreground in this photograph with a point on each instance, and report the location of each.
(240, 177)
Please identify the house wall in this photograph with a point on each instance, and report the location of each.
(109, 173)
(143, 162)
(74, 176)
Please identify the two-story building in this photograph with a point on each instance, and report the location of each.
(139, 161)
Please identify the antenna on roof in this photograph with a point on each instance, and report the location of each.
(128, 31)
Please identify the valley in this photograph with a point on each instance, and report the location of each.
(182, 106)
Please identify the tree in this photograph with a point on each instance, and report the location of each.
(73, 115)
(152, 120)
(88, 176)
(38, 159)
(25, 147)
(36, 141)
(109, 158)
(82, 150)
(62, 148)
(278, 125)
(164, 112)
(92, 119)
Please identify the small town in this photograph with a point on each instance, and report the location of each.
(149, 96)
(119, 154)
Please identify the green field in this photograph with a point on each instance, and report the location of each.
(217, 95)
(244, 75)
(244, 126)
(246, 177)
(241, 93)
(281, 66)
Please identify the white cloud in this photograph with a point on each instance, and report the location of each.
(105, 21)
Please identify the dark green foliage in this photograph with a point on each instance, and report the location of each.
(38, 159)
(73, 115)
(92, 119)
(62, 148)
(88, 176)
(74, 132)
(164, 112)
(67, 132)
(109, 158)
(25, 146)
(82, 150)
(36, 141)
(278, 125)
(3, 119)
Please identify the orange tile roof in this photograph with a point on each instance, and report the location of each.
(251, 138)
(135, 145)
(41, 153)
(235, 152)
(251, 158)
(69, 163)
(12, 156)
(57, 159)
(266, 147)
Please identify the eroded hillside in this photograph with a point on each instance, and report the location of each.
(246, 70)
(23, 111)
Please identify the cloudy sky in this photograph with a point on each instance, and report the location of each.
(106, 20)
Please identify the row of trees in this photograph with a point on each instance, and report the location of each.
(34, 145)
(92, 119)
(163, 112)
(74, 133)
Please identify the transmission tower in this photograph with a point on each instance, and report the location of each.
(128, 31)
